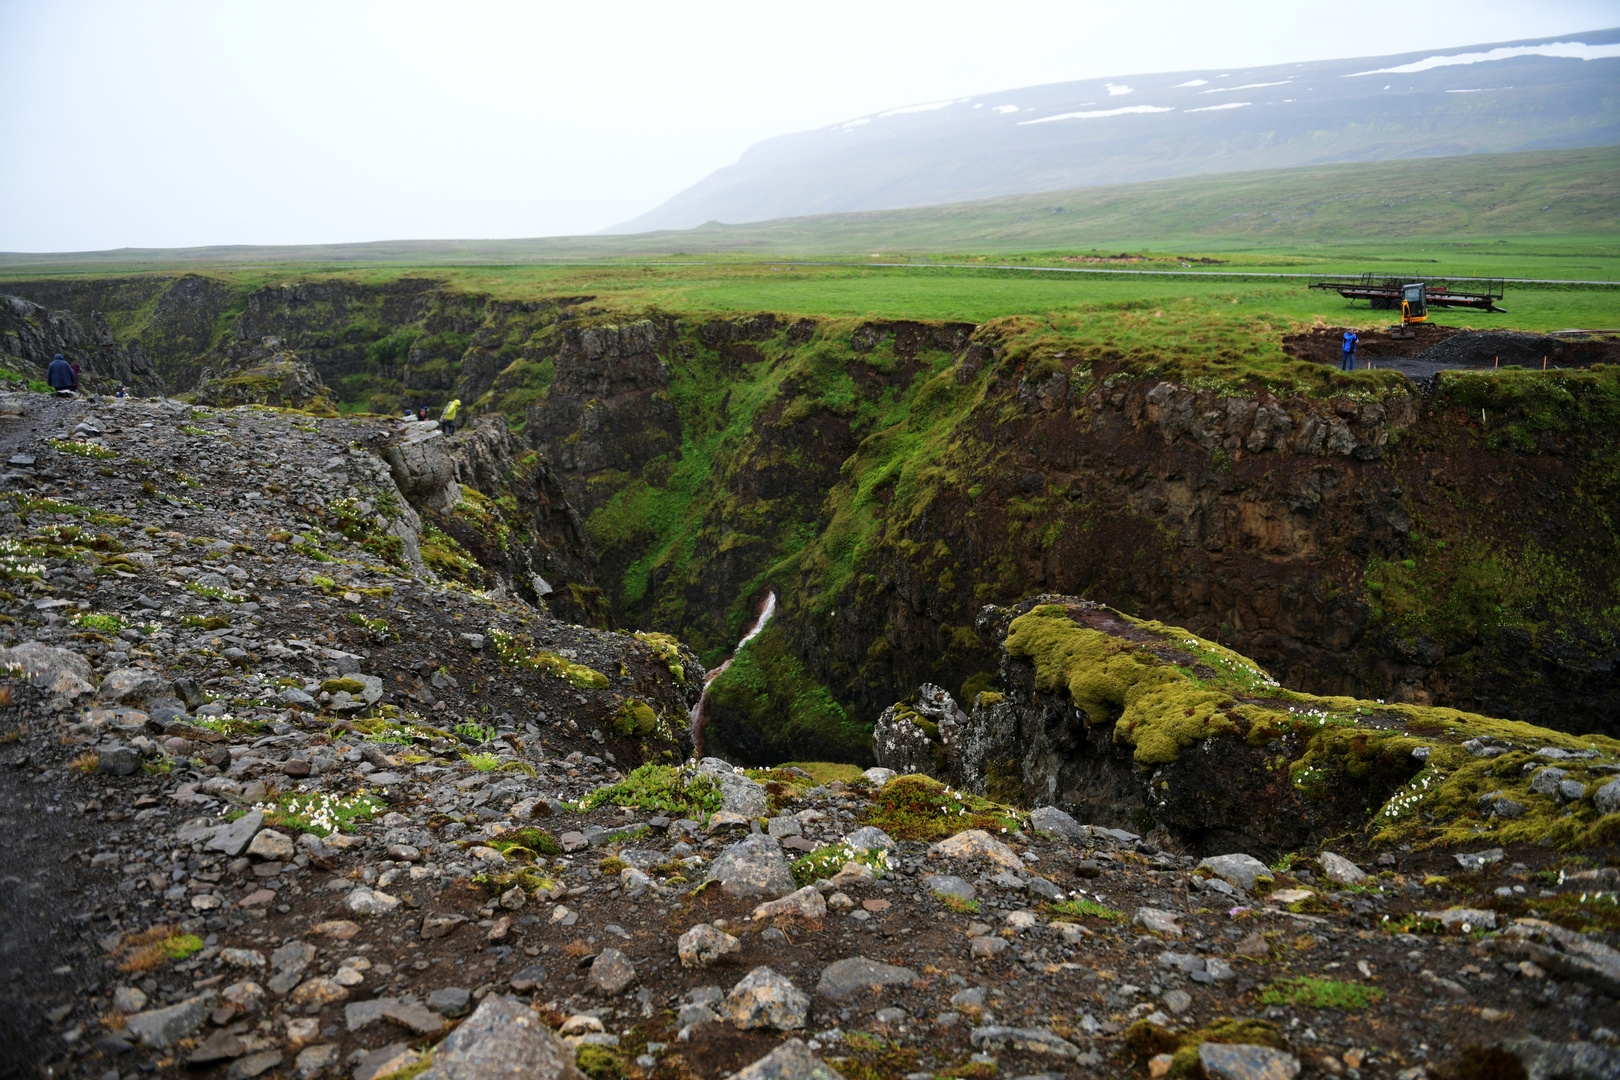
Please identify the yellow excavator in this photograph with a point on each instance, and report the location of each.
(1414, 309)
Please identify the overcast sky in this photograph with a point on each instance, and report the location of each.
(145, 124)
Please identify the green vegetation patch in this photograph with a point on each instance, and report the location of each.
(668, 649)
(1321, 993)
(666, 789)
(1081, 908)
(321, 813)
(519, 651)
(81, 448)
(636, 719)
(922, 808)
(444, 556)
(826, 861)
(766, 706)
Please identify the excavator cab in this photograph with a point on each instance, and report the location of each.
(1414, 303)
(1414, 307)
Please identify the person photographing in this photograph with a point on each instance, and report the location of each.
(447, 419)
(1350, 342)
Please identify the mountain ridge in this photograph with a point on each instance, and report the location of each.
(1153, 126)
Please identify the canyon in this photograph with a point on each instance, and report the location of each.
(1442, 542)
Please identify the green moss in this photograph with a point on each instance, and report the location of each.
(1145, 1040)
(1070, 910)
(826, 861)
(635, 719)
(921, 808)
(668, 650)
(1164, 689)
(667, 789)
(1321, 993)
(519, 650)
(345, 686)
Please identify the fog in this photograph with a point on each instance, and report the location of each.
(185, 124)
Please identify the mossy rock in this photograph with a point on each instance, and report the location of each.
(1162, 691)
(346, 686)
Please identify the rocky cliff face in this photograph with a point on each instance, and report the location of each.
(1447, 543)
(31, 335)
(1133, 723)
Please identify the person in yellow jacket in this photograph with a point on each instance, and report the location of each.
(447, 419)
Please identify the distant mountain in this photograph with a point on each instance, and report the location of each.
(1520, 95)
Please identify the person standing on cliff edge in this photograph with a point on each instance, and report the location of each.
(447, 419)
(1350, 342)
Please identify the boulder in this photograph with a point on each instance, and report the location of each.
(948, 885)
(846, 978)
(1339, 869)
(131, 684)
(1607, 797)
(1242, 1061)
(42, 663)
(165, 1027)
(232, 838)
(501, 1039)
(738, 794)
(754, 866)
(790, 1061)
(1054, 822)
(1241, 870)
(806, 903)
(1030, 1040)
(271, 845)
(869, 838)
(703, 945)
(764, 999)
(976, 845)
(118, 760)
(424, 469)
(612, 972)
(912, 736)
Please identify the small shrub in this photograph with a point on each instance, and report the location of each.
(155, 946)
(474, 733)
(320, 813)
(1080, 907)
(920, 808)
(826, 861)
(665, 788)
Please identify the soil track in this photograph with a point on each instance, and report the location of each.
(1440, 348)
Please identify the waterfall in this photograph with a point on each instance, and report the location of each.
(765, 612)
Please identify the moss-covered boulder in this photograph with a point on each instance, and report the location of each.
(1126, 721)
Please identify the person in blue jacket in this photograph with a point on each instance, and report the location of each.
(1350, 342)
(60, 374)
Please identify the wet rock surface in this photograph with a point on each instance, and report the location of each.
(322, 883)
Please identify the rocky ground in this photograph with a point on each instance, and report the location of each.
(280, 803)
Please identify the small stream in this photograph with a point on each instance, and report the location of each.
(765, 612)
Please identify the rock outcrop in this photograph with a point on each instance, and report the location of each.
(1120, 720)
(267, 375)
(31, 334)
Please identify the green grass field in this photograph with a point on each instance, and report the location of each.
(1542, 215)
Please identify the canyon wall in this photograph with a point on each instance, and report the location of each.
(1451, 544)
